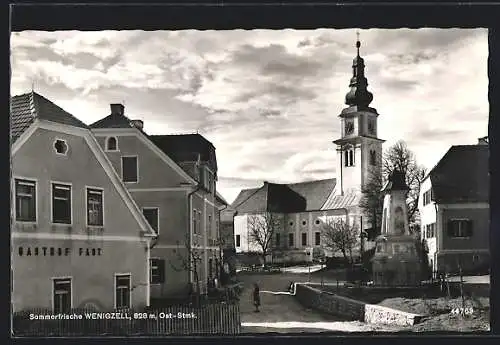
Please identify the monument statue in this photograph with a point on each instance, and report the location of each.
(396, 261)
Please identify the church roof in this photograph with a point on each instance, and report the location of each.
(462, 175)
(349, 199)
(285, 198)
(24, 109)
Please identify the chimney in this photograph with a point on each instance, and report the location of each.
(139, 124)
(117, 109)
(482, 141)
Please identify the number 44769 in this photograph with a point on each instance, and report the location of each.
(462, 311)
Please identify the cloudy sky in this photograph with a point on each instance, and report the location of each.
(267, 99)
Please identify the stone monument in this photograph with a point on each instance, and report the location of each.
(396, 261)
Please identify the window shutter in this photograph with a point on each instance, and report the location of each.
(161, 271)
(449, 228)
(469, 228)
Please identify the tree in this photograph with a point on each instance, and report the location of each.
(399, 157)
(187, 259)
(338, 235)
(262, 228)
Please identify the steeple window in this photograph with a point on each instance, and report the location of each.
(349, 157)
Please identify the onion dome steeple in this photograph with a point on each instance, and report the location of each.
(358, 95)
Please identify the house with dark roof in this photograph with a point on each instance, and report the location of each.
(70, 249)
(172, 178)
(454, 210)
(304, 207)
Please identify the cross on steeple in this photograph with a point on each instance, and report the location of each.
(358, 43)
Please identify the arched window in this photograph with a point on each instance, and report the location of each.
(349, 156)
(111, 144)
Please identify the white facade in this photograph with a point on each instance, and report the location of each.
(428, 216)
(296, 227)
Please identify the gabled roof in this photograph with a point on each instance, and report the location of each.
(462, 175)
(186, 147)
(113, 121)
(286, 198)
(315, 192)
(25, 108)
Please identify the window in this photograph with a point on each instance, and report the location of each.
(209, 224)
(122, 292)
(152, 216)
(317, 222)
(304, 223)
(278, 240)
(373, 157)
(62, 295)
(304, 239)
(61, 147)
(25, 200)
(290, 240)
(238, 240)
(430, 230)
(317, 238)
(94, 207)
(349, 157)
(157, 275)
(291, 223)
(61, 203)
(129, 169)
(371, 126)
(195, 222)
(460, 228)
(427, 197)
(111, 144)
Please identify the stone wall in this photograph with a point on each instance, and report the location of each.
(351, 309)
(330, 303)
(383, 315)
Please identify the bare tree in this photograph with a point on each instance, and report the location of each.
(372, 199)
(399, 157)
(339, 235)
(262, 228)
(187, 259)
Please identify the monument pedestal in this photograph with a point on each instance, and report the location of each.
(396, 262)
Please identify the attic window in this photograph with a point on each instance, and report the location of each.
(291, 223)
(317, 222)
(304, 222)
(111, 144)
(61, 147)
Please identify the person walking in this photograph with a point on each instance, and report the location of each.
(256, 297)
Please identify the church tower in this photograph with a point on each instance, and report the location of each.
(359, 150)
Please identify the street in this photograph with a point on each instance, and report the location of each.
(280, 312)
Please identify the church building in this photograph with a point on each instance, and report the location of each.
(302, 208)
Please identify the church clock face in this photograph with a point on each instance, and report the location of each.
(349, 127)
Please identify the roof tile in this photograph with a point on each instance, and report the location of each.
(25, 108)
